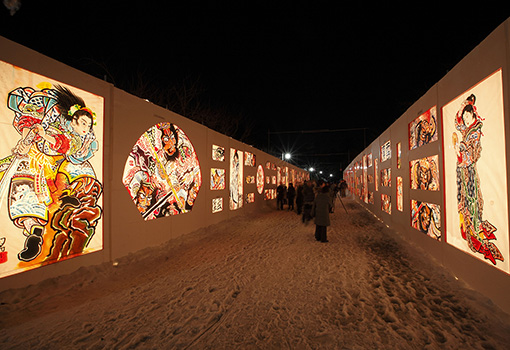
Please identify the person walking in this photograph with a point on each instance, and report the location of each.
(280, 196)
(321, 209)
(299, 199)
(291, 194)
(343, 188)
(308, 198)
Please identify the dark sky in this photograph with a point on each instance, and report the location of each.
(283, 65)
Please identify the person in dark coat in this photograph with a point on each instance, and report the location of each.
(321, 209)
(308, 197)
(299, 199)
(280, 196)
(291, 194)
(343, 188)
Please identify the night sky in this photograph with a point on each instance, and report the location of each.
(282, 66)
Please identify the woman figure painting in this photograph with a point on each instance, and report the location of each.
(467, 144)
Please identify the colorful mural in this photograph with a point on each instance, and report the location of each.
(386, 151)
(423, 129)
(50, 171)
(386, 203)
(399, 155)
(424, 174)
(217, 179)
(426, 217)
(249, 159)
(236, 179)
(162, 173)
(386, 177)
(475, 172)
(376, 174)
(400, 194)
(260, 179)
(218, 153)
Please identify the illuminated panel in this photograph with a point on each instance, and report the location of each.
(399, 155)
(260, 179)
(386, 203)
(218, 153)
(386, 177)
(217, 179)
(162, 173)
(475, 172)
(386, 151)
(423, 129)
(217, 205)
(236, 179)
(51, 158)
(400, 194)
(424, 173)
(376, 174)
(426, 217)
(249, 159)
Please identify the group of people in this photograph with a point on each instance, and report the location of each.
(313, 200)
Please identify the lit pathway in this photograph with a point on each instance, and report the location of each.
(258, 283)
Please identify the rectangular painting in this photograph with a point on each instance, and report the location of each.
(376, 174)
(423, 130)
(249, 159)
(386, 151)
(217, 205)
(400, 194)
(386, 203)
(475, 172)
(386, 177)
(426, 217)
(424, 173)
(399, 155)
(217, 179)
(236, 179)
(218, 153)
(51, 171)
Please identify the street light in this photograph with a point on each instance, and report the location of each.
(287, 156)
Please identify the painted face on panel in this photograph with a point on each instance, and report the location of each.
(81, 125)
(169, 142)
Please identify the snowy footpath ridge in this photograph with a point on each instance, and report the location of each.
(259, 282)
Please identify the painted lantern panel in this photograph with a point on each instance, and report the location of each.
(426, 217)
(162, 173)
(475, 172)
(236, 179)
(423, 130)
(260, 179)
(51, 158)
(424, 173)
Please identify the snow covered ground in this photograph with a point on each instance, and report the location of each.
(259, 282)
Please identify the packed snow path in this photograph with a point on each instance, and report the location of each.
(259, 282)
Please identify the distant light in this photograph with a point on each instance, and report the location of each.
(287, 156)
(320, 172)
(311, 169)
(330, 175)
